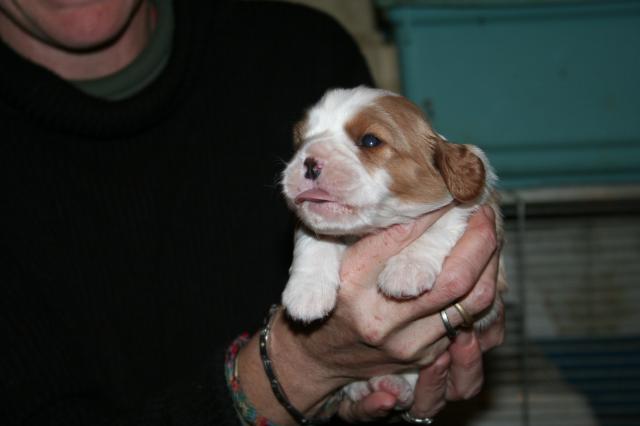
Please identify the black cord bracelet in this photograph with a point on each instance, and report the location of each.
(273, 380)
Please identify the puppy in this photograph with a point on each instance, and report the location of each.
(367, 159)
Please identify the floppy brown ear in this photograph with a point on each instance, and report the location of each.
(462, 170)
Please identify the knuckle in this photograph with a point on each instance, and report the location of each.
(427, 356)
(404, 353)
(398, 233)
(473, 390)
(473, 361)
(488, 213)
(487, 232)
(497, 338)
(470, 360)
(372, 338)
(485, 295)
(370, 335)
(454, 282)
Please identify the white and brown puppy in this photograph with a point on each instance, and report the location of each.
(367, 159)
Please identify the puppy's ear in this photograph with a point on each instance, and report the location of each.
(298, 132)
(462, 170)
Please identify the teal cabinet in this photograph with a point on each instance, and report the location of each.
(550, 91)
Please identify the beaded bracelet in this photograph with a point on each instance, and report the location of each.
(243, 406)
(246, 411)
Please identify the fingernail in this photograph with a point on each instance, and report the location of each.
(488, 212)
(442, 363)
(464, 338)
(387, 405)
(384, 408)
(401, 231)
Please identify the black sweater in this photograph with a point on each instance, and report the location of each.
(138, 238)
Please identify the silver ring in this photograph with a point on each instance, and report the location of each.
(451, 331)
(416, 420)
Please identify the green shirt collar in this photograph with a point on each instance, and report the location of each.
(144, 69)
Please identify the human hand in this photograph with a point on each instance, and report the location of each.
(457, 373)
(369, 334)
(345, 347)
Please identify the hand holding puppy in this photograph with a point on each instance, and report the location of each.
(472, 271)
(369, 334)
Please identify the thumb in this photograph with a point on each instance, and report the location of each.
(374, 406)
(363, 261)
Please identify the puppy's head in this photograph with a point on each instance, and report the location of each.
(367, 159)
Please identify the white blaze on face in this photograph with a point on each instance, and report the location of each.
(345, 192)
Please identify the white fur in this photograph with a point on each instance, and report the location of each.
(314, 274)
(414, 270)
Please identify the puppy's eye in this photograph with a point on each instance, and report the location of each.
(369, 141)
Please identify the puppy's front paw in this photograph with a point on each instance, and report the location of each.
(308, 300)
(395, 385)
(407, 276)
(357, 390)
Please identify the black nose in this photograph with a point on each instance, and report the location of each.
(313, 169)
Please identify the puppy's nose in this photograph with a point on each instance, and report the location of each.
(313, 168)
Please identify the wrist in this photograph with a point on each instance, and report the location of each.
(307, 381)
(307, 384)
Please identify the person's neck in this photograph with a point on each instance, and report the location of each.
(73, 65)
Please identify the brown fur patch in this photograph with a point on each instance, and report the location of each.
(298, 132)
(407, 149)
(371, 121)
(462, 170)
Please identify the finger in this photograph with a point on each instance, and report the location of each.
(463, 267)
(374, 406)
(364, 260)
(482, 305)
(420, 342)
(431, 387)
(465, 373)
(483, 295)
(420, 332)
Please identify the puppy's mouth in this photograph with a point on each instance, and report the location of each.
(320, 201)
(315, 195)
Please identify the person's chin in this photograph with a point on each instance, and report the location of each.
(87, 24)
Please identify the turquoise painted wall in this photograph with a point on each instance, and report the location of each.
(551, 92)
